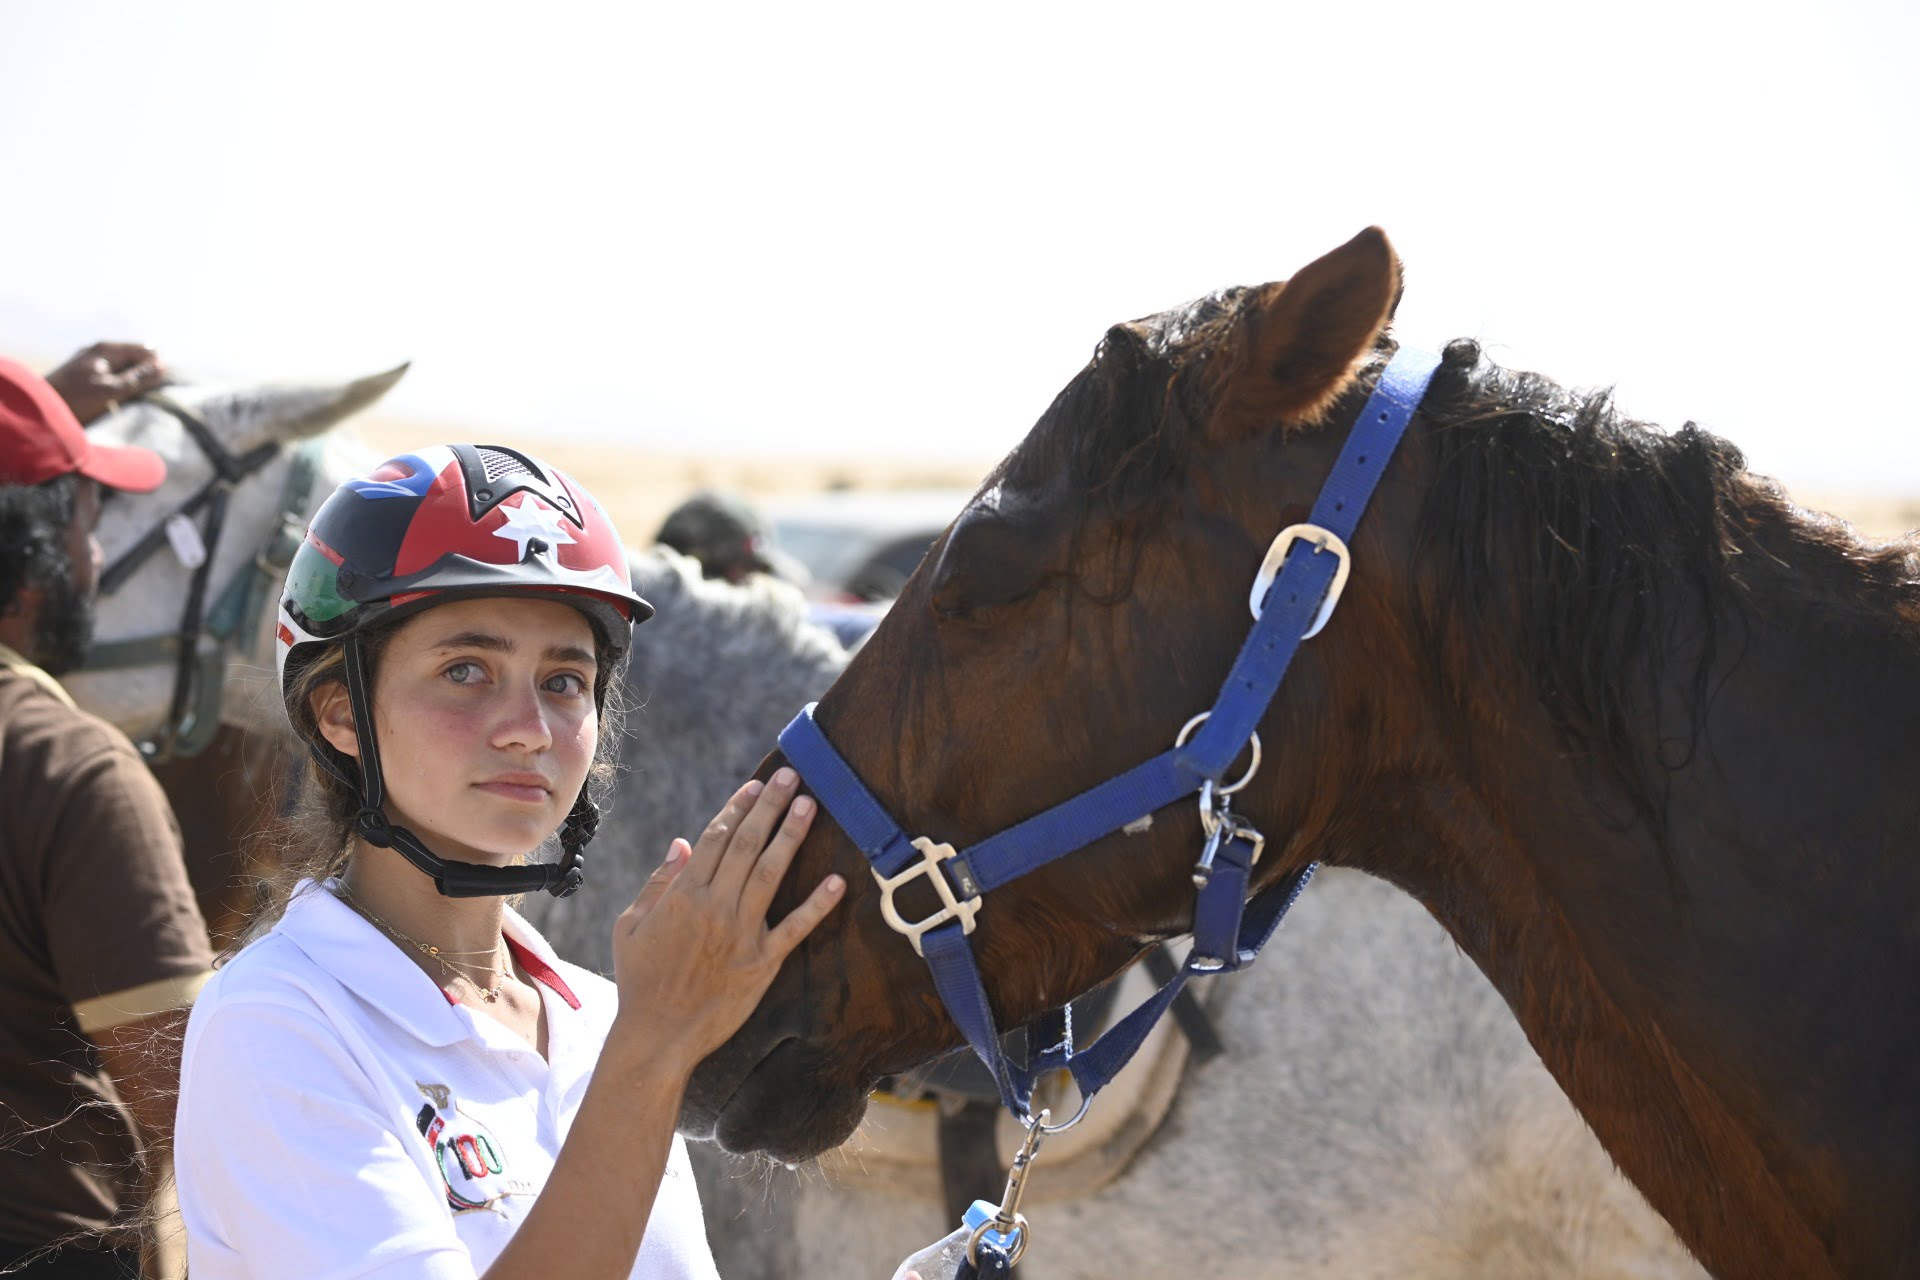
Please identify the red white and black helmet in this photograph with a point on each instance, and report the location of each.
(452, 522)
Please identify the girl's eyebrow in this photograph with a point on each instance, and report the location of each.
(490, 643)
(476, 640)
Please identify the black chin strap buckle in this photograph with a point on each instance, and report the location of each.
(569, 879)
(374, 828)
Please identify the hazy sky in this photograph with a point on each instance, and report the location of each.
(900, 228)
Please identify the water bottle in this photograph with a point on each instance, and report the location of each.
(941, 1260)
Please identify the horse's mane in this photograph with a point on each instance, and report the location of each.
(1617, 560)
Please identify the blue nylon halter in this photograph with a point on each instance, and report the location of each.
(1228, 930)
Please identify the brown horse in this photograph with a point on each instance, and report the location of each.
(1640, 733)
(225, 800)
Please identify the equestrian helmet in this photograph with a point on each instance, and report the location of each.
(453, 522)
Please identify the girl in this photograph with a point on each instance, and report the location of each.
(399, 1078)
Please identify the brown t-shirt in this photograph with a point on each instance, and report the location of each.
(98, 927)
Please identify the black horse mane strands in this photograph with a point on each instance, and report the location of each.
(1598, 549)
(1145, 388)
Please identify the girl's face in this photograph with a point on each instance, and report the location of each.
(486, 720)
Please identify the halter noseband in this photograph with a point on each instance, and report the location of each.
(1293, 596)
(189, 728)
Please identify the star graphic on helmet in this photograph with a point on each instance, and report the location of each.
(529, 520)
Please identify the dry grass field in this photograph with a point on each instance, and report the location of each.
(1876, 517)
(639, 486)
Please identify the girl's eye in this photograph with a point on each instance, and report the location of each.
(464, 672)
(566, 683)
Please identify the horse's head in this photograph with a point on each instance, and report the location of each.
(259, 425)
(1087, 602)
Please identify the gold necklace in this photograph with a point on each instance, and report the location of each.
(450, 967)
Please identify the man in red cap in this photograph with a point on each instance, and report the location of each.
(102, 947)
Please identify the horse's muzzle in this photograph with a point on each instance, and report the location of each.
(778, 1103)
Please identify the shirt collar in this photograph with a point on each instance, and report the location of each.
(15, 662)
(372, 966)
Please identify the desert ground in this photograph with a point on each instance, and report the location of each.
(640, 486)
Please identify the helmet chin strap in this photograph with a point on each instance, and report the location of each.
(452, 878)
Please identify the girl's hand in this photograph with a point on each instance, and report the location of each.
(693, 955)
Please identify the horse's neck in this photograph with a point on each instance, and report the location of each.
(1671, 1134)
(1695, 972)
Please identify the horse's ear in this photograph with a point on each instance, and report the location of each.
(1297, 343)
(285, 412)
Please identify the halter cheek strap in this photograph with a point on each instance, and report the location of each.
(453, 878)
(1295, 592)
(193, 711)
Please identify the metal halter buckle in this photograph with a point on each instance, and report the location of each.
(951, 908)
(1322, 540)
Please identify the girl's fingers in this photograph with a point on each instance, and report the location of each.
(751, 836)
(791, 932)
(763, 881)
(657, 884)
(712, 844)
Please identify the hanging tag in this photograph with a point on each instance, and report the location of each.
(184, 535)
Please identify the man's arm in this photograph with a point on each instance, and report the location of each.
(123, 929)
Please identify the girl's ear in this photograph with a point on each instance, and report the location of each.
(333, 713)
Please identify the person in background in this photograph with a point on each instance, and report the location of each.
(731, 541)
(729, 538)
(101, 945)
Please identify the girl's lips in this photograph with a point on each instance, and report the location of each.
(524, 792)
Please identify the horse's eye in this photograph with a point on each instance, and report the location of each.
(991, 559)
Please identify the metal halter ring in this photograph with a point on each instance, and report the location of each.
(1086, 1101)
(1253, 766)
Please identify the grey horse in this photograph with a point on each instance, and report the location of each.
(1377, 1111)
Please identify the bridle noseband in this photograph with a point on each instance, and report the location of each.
(1293, 596)
(191, 721)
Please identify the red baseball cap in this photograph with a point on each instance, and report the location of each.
(40, 439)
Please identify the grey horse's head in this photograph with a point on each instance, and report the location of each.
(134, 620)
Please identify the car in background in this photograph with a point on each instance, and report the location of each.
(863, 544)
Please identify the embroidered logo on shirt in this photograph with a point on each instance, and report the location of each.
(472, 1163)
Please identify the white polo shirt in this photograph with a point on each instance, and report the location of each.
(340, 1115)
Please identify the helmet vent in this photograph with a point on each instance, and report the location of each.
(503, 462)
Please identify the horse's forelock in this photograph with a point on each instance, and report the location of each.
(1118, 432)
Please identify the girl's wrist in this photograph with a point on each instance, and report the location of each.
(647, 1061)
